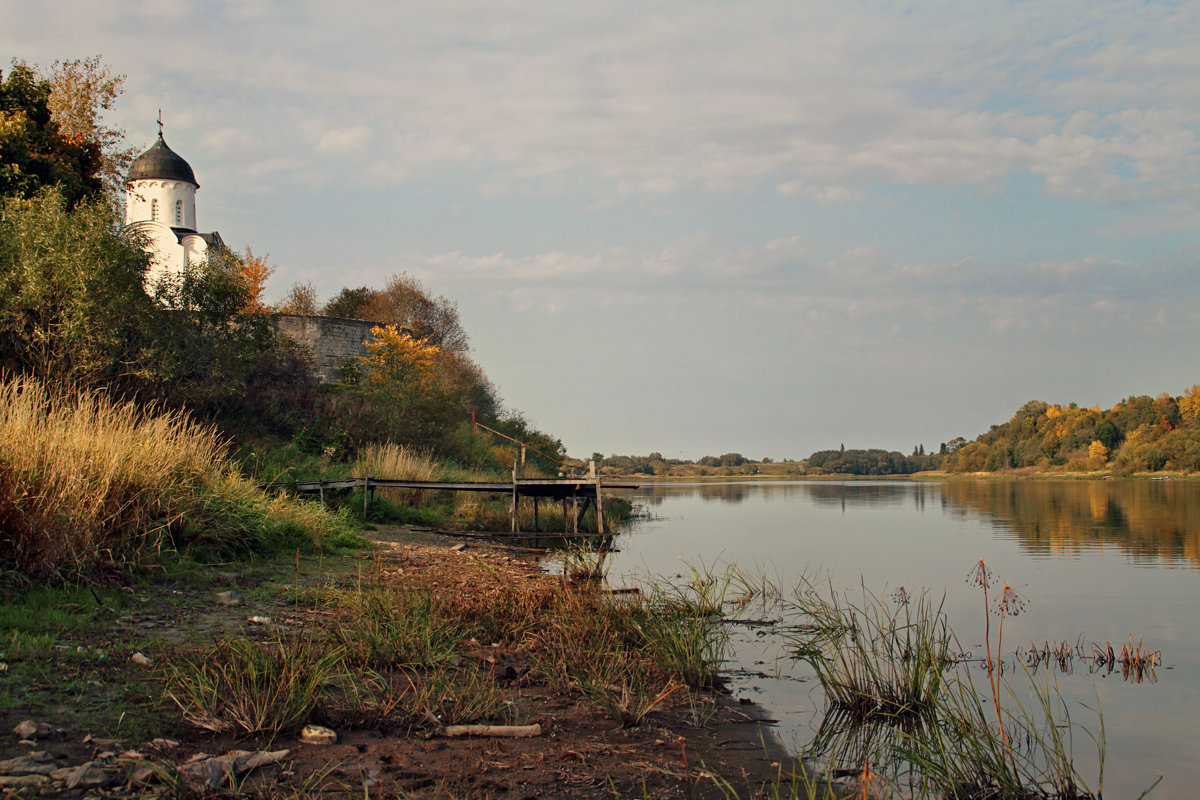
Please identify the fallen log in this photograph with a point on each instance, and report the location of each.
(514, 731)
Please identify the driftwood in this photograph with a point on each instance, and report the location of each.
(514, 731)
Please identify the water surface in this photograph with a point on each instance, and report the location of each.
(1095, 562)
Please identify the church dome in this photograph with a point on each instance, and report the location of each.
(161, 162)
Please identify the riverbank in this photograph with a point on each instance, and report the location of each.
(128, 688)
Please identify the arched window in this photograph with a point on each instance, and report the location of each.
(179, 212)
(154, 208)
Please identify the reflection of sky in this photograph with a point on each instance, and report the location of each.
(1092, 584)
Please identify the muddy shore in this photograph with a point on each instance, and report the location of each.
(679, 750)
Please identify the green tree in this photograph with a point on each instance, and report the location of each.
(34, 155)
(72, 303)
(348, 303)
(205, 346)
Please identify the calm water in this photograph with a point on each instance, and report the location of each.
(1094, 561)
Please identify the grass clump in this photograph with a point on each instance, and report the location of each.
(880, 658)
(899, 701)
(1027, 754)
(250, 688)
(387, 628)
(86, 480)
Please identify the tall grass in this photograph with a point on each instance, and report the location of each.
(86, 479)
(880, 657)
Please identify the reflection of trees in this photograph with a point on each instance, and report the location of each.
(1148, 519)
(819, 493)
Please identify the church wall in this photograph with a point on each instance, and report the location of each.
(332, 341)
(142, 195)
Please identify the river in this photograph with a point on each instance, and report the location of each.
(1094, 562)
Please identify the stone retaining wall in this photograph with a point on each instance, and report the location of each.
(333, 342)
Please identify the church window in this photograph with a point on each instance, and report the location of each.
(178, 212)
(154, 208)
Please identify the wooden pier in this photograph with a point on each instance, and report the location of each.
(581, 492)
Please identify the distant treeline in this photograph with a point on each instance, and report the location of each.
(824, 462)
(870, 462)
(1138, 434)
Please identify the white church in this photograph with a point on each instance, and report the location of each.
(160, 203)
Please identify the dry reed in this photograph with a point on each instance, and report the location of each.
(85, 479)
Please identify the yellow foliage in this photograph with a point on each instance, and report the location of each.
(1189, 405)
(1053, 411)
(396, 359)
(1098, 450)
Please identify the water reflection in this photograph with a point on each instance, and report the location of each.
(875, 493)
(1148, 520)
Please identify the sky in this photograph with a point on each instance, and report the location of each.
(707, 227)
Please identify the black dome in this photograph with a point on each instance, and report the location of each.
(161, 161)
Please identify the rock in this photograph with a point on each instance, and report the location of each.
(17, 781)
(141, 775)
(317, 734)
(36, 763)
(260, 620)
(458, 548)
(30, 729)
(141, 659)
(215, 772)
(88, 775)
(230, 598)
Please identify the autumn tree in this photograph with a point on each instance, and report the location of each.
(34, 155)
(81, 90)
(255, 271)
(1189, 406)
(300, 299)
(401, 373)
(406, 303)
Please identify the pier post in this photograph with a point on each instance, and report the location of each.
(599, 508)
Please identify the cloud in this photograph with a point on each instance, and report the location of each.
(343, 141)
(824, 102)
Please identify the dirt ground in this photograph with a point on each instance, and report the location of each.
(580, 752)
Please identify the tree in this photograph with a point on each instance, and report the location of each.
(33, 154)
(348, 303)
(300, 299)
(254, 272)
(401, 373)
(1189, 405)
(405, 303)
(205, 345)
(72, 304)
(80, 91)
